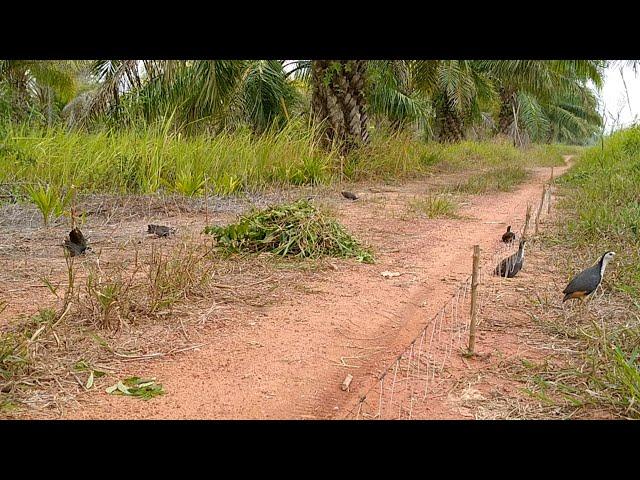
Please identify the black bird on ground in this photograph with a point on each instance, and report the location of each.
(508, 236)
(76, 244)
(510, 266)
(349, 195)
(160, 230)
(585, 283)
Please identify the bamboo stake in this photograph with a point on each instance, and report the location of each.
(73, 207)
(206, 200)
(474, 299)
(549, 193)
(526, 222)
(544, 194)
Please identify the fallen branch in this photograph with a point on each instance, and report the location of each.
(221, 285)
(156, 355)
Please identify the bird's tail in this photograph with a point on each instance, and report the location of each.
(566, 297)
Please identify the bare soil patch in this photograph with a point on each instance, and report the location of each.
(275, 338)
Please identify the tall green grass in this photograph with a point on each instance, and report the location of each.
(154, 158)
(500, 179)
(602, 200)
(463, 155)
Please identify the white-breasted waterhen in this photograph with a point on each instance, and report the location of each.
(585, 283)
(508, 236)
(510, 266)
(349, 195)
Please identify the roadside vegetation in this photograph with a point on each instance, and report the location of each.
(600, 211)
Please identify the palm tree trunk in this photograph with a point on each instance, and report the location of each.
(505, 116)
(338, 99)
(19, 94)
(397, 125)
(450, 123)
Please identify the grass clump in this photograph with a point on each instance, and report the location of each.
(502, 179)
(298, 229)
(14, 356)
(434, 206)
(117, 296)
(604, 375)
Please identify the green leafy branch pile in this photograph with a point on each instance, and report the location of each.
(298, 229)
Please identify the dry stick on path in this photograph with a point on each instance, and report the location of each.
(474, 299)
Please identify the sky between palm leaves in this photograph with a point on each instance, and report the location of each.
(621, 105)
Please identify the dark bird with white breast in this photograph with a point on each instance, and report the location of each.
(585, 283)
(510, 266)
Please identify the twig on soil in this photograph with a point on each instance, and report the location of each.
(220, 285)
(156, 355)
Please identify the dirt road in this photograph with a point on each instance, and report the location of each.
(287, 361)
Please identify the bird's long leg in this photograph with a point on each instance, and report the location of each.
(585, 304)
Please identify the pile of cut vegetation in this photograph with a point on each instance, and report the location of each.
(298, 229)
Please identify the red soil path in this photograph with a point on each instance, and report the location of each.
(288, 361)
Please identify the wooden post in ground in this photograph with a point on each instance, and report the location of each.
(73, 207)
(544, 194)
(526, 222)
(206, 200)
(474, 298)
(549, 193)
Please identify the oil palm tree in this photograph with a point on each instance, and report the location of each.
(392, 95)
(43, 85)
(212, 94)
(525, 85)
(339, 103)
(460, 89)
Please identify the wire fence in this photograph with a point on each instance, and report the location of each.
(419, 371)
